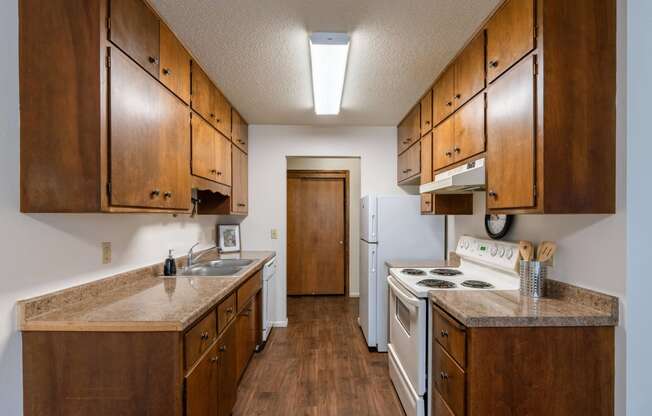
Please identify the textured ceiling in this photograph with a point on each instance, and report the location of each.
(257, 51)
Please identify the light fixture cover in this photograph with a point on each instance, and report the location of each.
(328, 54)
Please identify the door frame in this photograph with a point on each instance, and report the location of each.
(327, 174)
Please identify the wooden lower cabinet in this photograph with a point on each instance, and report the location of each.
(202, 385)
(228, 387)
(513, 371)
(246, 334)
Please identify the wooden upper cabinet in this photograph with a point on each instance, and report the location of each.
(202, 93)
(223, 159)
(510, 36)
(443, 95)
(202, 386)
(426, 113)
(443, 139)
(409, 163)
(426, 171)
(470, 129)
(203, 149)
(511, 138)
(470, 70)
(149, 144)
(134, 28)
(222, 111)
(240, 131)
(240, 179)
(174, 64)
(409, 130)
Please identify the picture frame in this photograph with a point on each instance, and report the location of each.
(228, 238)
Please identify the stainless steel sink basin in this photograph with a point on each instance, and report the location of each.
(230, 262)
(209, 270)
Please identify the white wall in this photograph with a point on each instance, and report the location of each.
(639, 201)
(42, 253)
(592, 248)
(268, 148)
(351, 164)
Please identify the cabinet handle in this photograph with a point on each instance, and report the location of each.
(167, 71)
(427, 202)
(155, 193)
(242, 205)
(153, 60)
(443, 375)
(457, 150)
(223, 348)
(212, 115)
(448, 153)
(214, 359)
(458, 96)
(493, 63)
(444, 333)
(213, 171)
(449, 104)
(493, 194)
(427, 123)
(229, 310)
(204, 335)
(167, 195)
(219, 173)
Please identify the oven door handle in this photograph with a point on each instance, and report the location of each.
(410, 300)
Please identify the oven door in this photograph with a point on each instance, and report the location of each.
(408, 334)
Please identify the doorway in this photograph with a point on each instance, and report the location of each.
(317, 237)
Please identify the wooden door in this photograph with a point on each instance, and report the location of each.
(228, 371)
(222, 110)
(469, 71)
(240, 181)
(202, 386)
(223, 159)
(202, 93)
(426, 171)
(510, 36)
(443, 142)
(442, 95)
(239, 131)
(470, 129)
(203, 149)
(511, 138)
(316, 233)
(175, 64)
(409, 163)
(426, 113)
(134, 28)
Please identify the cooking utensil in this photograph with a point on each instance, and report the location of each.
(526, 249)
(546, 250)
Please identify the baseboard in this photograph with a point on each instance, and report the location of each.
(354, 294)
(279, 324)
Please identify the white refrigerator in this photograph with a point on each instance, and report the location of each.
(392, 227)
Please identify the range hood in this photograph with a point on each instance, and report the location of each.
(466, 178)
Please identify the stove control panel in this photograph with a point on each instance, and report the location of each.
(500, 254)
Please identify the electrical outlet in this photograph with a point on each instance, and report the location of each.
(106, 252)
(274, 234)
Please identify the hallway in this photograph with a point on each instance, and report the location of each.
(319, 365)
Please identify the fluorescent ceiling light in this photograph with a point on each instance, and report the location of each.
(328, 54)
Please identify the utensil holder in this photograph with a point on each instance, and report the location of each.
(533, 278)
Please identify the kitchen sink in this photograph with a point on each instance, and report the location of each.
(209, 270)
(229, 262)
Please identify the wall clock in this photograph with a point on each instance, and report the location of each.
(497, 225)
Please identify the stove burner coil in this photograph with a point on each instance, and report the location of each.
(477, 284)
(413, 272)
(437, 283)
(445, 272)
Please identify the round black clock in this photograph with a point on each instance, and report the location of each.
(497, 225)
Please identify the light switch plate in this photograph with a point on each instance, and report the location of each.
(106, 252)
(274, 234)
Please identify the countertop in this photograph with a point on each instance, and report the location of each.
(139, 300)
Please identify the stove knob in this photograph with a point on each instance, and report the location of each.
(509, 253)
(494, 250)
(501, 251)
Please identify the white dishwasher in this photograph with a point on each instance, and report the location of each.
(269, 270)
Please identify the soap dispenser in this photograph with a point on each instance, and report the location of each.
(170, 268)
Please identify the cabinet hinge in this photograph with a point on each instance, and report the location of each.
(109, 188)
(108, 61)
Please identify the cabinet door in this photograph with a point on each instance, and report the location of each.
(228, 371)
(223, 159)
(175, 64)
(442, 95)
(510, 36)
(204, 143)
(426, 171)
(240, 131)
(222, 110)
(469, 71)
(135, 29)
(244, 347)
(409, 163)
(443, 141)
(148, 140)
(469, 129)
(202, 386)
(239, 190)
(511, 138)
(202, 93)
(426, 113)
(410, 129)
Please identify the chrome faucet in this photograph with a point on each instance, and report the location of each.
(191, 255)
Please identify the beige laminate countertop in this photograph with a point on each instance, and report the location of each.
(143, 301)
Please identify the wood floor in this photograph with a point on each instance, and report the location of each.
(318, 365)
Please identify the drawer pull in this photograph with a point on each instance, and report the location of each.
(204, 335)
(167, 71)
(443, 375)
(229, 310)
(153, 60)
(214, 359)
(444, 333)
(223, 348)
(155, 193)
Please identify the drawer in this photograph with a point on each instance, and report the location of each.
(198, 338)
(225, 312)
(248, 290)
(449, 379)
(450, 335)
(439, 406)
